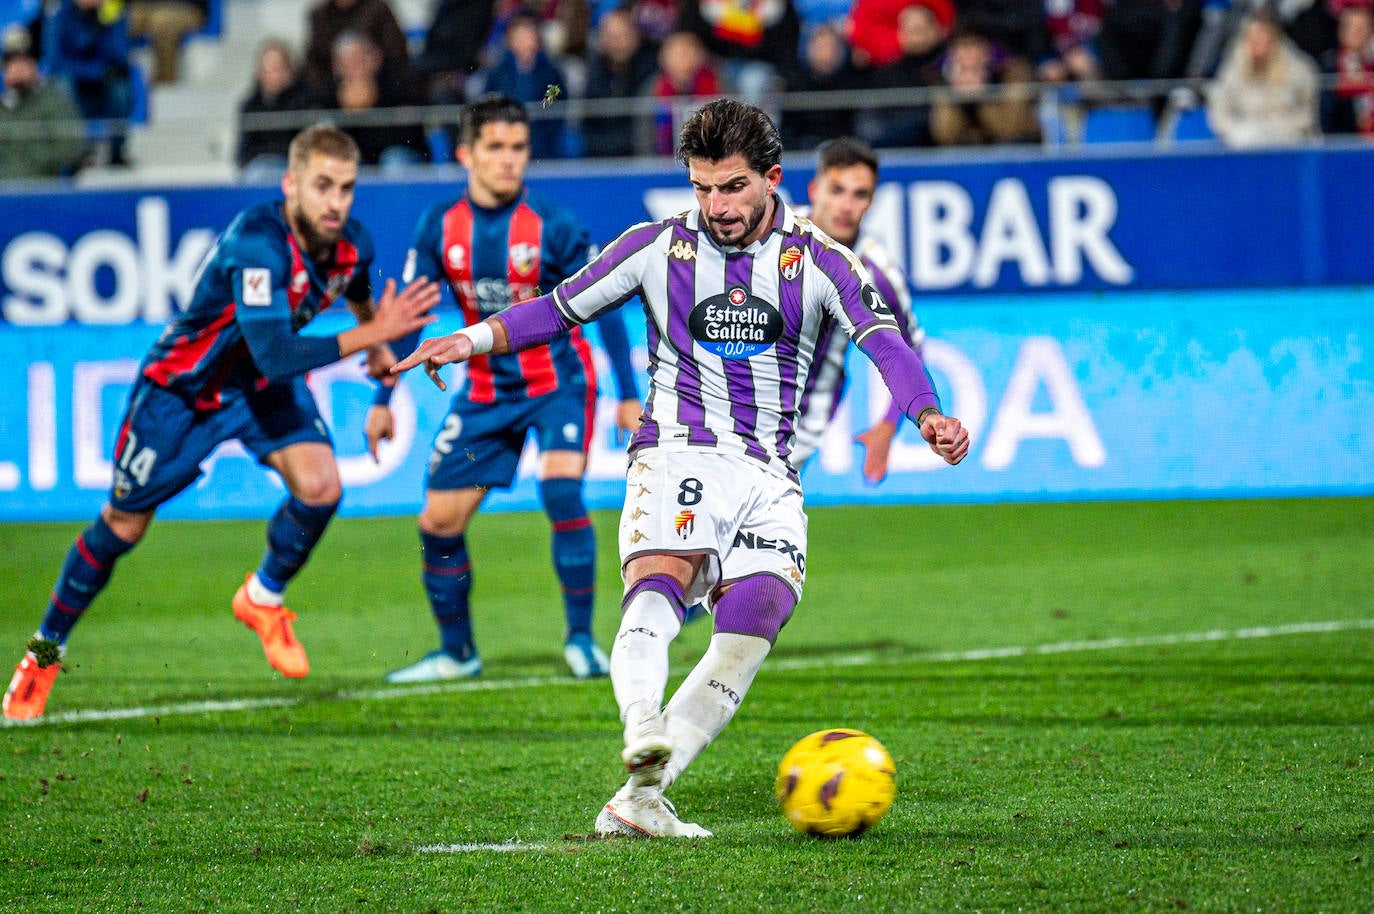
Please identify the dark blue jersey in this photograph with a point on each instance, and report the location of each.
(257, 289)
(495, 258)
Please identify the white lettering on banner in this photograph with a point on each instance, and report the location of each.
(962, 394)
(1041, 361)
(91, 465)
(42, 426)
(50, 284)
(945, 252)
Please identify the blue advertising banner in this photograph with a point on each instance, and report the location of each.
(1127, 395)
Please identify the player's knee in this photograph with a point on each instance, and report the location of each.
(318, 491)
(562, 499)
(126, 525)
(440, 523)
(759, 606)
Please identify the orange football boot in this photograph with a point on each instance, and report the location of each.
(273, 625)
(28, 692)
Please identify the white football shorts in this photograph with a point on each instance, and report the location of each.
(744, 518)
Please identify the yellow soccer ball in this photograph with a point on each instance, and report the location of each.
(836, 783)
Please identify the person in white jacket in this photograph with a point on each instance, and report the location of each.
(1266, 93)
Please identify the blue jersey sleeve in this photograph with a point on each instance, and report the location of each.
(259, 274)
(615, 339)
(422, 260)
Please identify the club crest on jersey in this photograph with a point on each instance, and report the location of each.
(524, 258)
(735, 325)
(337, 283)
(790, 262)
(685, 523)
(683, 250)
(300, 281)
(456, 257)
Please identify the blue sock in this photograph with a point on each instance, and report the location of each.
(90, 562)
(291, 533)
(574, 550)
(448, 582)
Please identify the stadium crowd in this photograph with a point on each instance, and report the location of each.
(929, 72)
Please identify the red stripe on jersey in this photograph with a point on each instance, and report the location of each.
(186, 352)
(337, 279)
(455, 257)
(524, 245)
(298, 285)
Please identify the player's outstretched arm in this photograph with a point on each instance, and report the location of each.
(396, 315)
(487, 337)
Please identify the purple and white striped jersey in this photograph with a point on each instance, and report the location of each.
(733, 333)
(826, 385)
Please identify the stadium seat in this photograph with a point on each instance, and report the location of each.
(1190, 124)
(1135, 124)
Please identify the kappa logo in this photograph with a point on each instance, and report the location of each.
(456, 257)
(637, 537)
(524, 258)
(683, 250)
(790, 262)
(643, 490)
(640, 467)
(638, 512)
(796, 575)
(257, 286)
(685, 523)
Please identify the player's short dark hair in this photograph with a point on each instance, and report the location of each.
(489, 109)
(844, 152)
(725, 127)
(323, 139)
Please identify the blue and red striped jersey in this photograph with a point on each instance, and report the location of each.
(256, 280)
(495, 258)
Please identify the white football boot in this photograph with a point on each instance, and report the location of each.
(585, 657)
(647, 747)
(644, 812)
(437, 666)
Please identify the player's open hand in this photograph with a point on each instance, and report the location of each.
(407, 312)
(947, 437)
(435, 352)
(877, 442)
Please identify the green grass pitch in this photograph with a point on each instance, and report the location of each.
(1066, 736)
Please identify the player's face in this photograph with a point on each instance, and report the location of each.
(734, 199)
(839, 199)
(496, 162)
(319, 198)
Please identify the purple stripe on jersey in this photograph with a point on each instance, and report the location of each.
(836, 266)
(889, 293)
(739, 378)
(681, 299)
(533, 323)
(790, 291)
(624, 247)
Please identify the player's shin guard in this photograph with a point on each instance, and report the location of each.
(448, 583)
(651, 618)
(574, 549)
(748, 618)
(87, 569)
(291, 535)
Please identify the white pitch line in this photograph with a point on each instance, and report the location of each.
(865, 658)
(509, 847)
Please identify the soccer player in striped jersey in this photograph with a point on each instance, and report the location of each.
(232, 366)
(841, 192)
(498, 244)
(735, 292)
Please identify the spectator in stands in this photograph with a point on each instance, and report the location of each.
(620, 67)
(1073, 26)
(657, 19)
(872, 28)
(165, 23)
(370, 18)
(1348, 106)
(982, 104)
(1015, 26)
(359, 87)
(87, 48)
(453, 47)
(826, 67)
(527, 74)
(1310, 23)
(755, 42)
(923, 29)
(685, 73)
(1266, 91)
(40, 129)
(277, 89)
(1147, 39)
